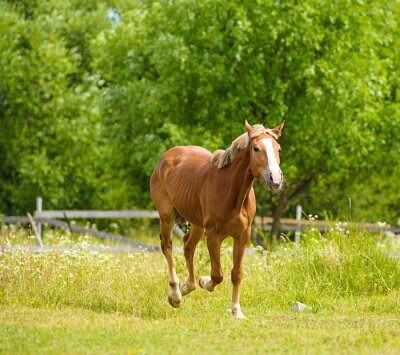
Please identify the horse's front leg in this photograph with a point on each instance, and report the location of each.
(239, 247)
(214, 249)
(190, 242)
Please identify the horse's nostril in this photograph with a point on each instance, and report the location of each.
(270, 176)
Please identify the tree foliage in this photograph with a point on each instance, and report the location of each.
(92, 93)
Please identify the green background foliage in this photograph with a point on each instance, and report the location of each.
(93, 92)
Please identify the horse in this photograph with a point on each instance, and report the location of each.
(214, 193)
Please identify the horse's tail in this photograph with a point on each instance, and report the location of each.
(179, 220)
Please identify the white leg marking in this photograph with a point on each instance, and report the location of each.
(235, 306)
(236, 311)
(175, 295)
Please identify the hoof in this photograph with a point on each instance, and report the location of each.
(203, 282)
(238, 315)
(174, 302)
(185, 290)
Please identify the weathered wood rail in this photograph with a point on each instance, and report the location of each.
(287, 224)
(74, 214)
(52, 217)
(75, 228)
(291, 224)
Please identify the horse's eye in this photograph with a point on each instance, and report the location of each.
(256, 149)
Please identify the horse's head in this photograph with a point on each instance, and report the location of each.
(264, 155)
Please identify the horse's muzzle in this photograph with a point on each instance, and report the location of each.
(275, 186)
(275, 183)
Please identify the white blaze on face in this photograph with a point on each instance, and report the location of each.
(273, 165)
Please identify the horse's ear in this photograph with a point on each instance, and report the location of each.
(278, 129)
(249, 129)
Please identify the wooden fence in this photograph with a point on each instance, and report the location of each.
(52, 217)
(291, 224)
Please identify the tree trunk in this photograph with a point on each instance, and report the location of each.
(285, 197)
(280, 208)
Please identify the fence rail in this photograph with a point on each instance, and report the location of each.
(287, 224)
(52, 217)
(291, 224)
(74, 214)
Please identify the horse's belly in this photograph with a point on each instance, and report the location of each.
(184, 180)
(185, 197)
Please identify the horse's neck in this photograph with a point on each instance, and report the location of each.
(240, 178)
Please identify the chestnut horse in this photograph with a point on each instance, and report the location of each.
(214, 192)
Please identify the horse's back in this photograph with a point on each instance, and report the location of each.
(181, 160)
(182, 153)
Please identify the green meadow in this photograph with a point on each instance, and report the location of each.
(79, 302)
(93, 93)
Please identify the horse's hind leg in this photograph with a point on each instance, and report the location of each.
(166, 226)
(191, 239)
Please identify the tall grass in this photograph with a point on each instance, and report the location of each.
(341, 263)
(322, 269)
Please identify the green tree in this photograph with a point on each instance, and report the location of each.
(92, 93)
(191, 72)
(51, 140)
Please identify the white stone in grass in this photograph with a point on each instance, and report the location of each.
(300, 307)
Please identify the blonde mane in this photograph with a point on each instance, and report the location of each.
(222, 158)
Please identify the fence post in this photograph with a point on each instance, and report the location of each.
(37, 236)
(39, 206)
(350, 209)
(298, 219)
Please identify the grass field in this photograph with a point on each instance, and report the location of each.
(87, 302)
